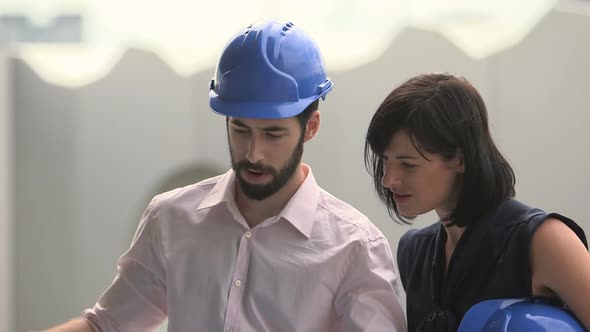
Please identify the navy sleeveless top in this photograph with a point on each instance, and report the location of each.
(490, 261)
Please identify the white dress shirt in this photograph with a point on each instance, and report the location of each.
(320, 265)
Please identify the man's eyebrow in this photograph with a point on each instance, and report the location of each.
(238, 123)
(273, 128)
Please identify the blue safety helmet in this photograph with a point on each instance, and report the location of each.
(512, 315)
(269, 70)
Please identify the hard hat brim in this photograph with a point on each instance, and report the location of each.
(253, 110)
(520, 314)
(484, 311)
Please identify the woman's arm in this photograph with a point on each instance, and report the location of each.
(560, 264)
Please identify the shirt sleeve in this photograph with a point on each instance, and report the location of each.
(535, 223)
(368, 299)
(136, 300)
(526, 238)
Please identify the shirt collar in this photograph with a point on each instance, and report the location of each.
(222, 191)
(299, 211)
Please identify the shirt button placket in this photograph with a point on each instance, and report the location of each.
(235, 293)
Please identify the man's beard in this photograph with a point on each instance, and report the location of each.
(279, 178)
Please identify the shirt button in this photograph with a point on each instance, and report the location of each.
(248, 235)
(238, 283)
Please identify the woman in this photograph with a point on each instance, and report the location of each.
(428, 147)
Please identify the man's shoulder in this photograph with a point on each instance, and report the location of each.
(344, 214)
(191, 194)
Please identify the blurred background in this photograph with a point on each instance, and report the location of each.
(104, 104)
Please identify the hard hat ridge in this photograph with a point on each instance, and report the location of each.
(268, 70)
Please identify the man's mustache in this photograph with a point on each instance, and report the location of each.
(245, 164)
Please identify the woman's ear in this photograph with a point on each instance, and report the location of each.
(312, 127)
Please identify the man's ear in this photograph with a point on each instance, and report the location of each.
(313, 125)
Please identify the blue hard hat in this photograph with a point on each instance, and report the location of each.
(511, 315)
(269, 70)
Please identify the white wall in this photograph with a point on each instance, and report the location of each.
(6, 267)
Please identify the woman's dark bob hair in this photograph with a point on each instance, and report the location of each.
(443, 114)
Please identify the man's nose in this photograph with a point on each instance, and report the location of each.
(255, 150)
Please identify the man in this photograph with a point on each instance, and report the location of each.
(261, 247)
